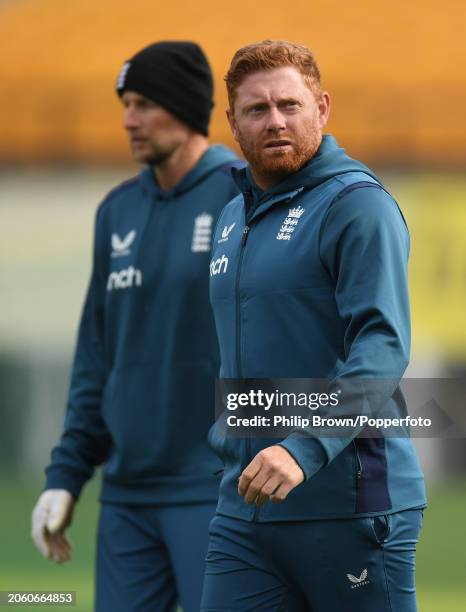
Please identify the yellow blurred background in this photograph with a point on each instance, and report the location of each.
(394, 69)
(395, 72)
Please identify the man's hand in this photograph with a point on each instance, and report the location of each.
(272, 474)
(50, 518)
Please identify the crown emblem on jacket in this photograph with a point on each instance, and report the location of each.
(296, 213)
(289, 224)
(202, 233)
(203, 221)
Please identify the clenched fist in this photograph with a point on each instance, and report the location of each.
(272, 474)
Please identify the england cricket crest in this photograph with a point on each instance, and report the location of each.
(289, 224)
(202, 233)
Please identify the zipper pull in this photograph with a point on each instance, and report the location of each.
(358, 479)
(244, 237)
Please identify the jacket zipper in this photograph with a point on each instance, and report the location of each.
(358, 464)
(244, 238)
(239, 368)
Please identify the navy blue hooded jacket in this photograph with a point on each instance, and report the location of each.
(141, 394)
(309, 280)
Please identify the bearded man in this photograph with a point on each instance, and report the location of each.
(310, 282)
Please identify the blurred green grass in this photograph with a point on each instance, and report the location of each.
(441, 564)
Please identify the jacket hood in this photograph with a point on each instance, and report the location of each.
(215, 157)
(330, 160)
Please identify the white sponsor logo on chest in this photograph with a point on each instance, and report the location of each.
(120, 246)
(219, 266)
(226, 232)
(124, 279)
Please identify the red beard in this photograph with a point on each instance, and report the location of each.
(271, 169)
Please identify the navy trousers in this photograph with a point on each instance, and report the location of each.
(353, 565)
(151, 559)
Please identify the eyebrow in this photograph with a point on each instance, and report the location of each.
(264, 103)
(254, 104)
(286, 100)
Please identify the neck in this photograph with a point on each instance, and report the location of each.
(170, 172)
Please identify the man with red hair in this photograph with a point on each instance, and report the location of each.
(309, 281)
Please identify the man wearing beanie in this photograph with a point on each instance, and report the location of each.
(141, 392)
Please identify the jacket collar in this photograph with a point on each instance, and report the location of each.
(330, 160)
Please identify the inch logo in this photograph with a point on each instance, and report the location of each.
(219, 266)
(124, 279)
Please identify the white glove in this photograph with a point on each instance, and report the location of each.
(50, 518)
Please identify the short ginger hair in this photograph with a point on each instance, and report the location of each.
(267, 55)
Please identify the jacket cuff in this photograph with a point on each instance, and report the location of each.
(62, 477)
(307, 452)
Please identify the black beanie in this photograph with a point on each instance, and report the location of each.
(176, 75)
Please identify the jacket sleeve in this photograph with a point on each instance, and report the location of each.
(85, 442)
(364, 247)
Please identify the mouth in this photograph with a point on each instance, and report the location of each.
(137, 140)
(278, 145)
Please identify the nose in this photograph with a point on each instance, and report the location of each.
(276, 120)
(130, 118)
